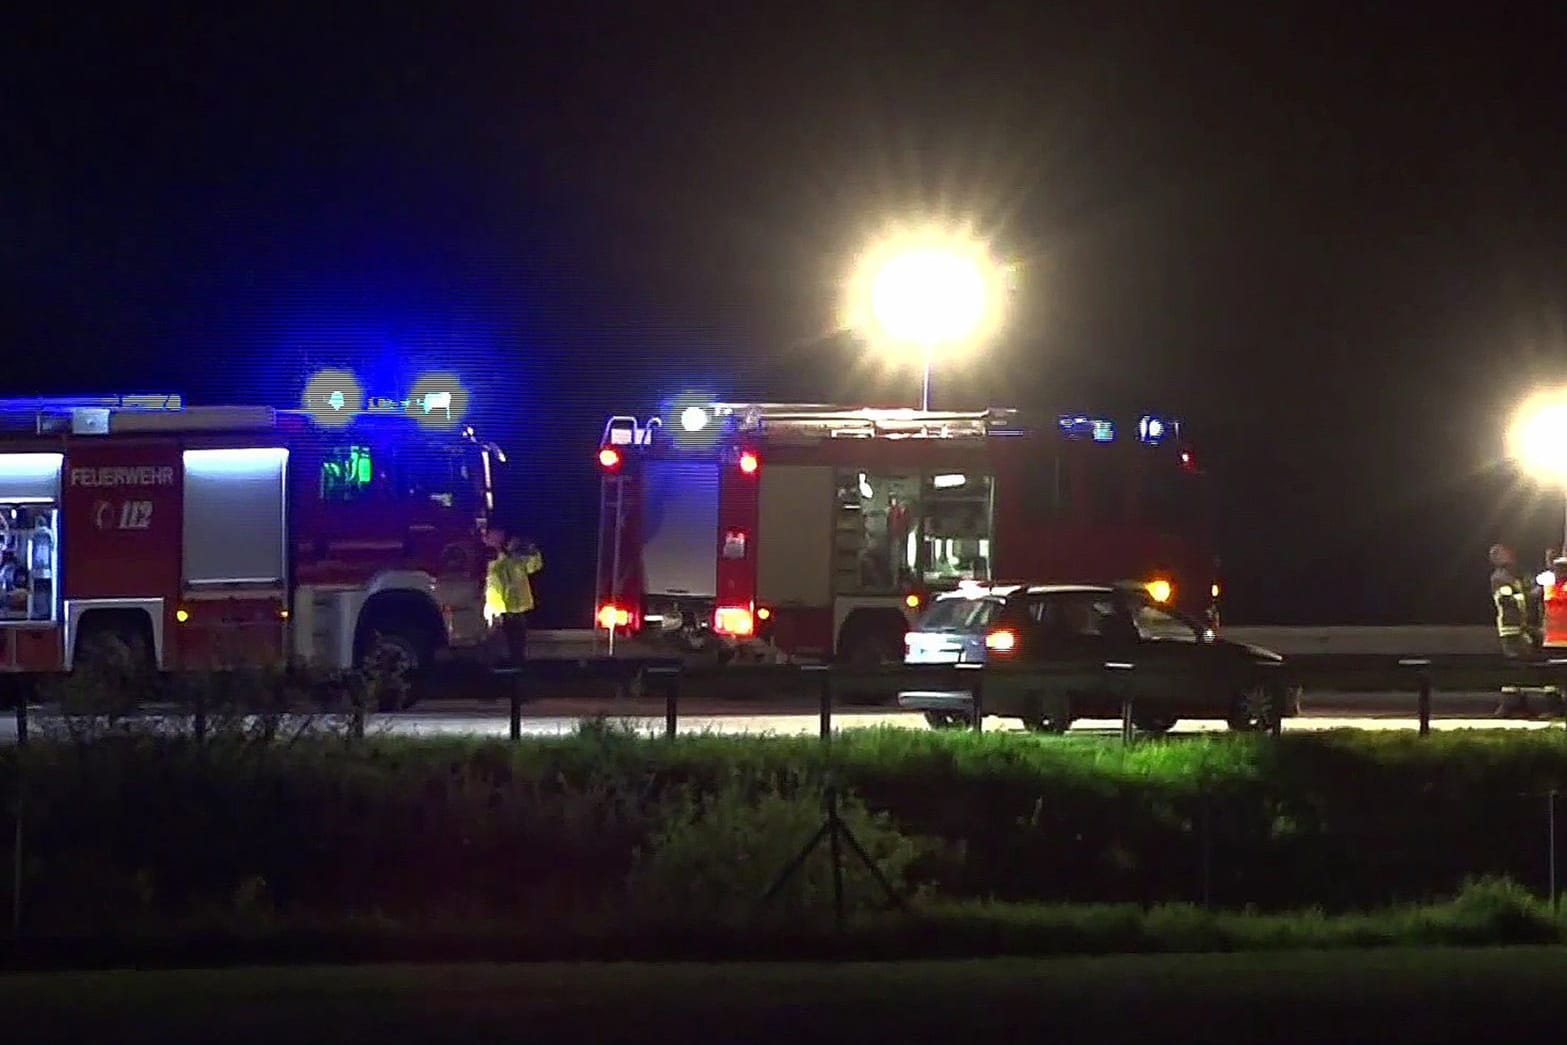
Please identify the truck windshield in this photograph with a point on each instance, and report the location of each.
(443, 473)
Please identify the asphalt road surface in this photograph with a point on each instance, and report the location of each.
(553, 717)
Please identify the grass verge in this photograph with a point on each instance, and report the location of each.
(1488, 913)
(1384, 996)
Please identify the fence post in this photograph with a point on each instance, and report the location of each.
(1423, 703)
(976, 686)
(1120, 673)
(823, 673)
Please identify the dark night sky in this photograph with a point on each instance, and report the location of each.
(1333, 244)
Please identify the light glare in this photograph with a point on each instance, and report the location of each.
(927, 288)
(1537, 439)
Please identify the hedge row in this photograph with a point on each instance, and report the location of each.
(146, 827)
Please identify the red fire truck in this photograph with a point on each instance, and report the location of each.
(209, 536)
(822, 530)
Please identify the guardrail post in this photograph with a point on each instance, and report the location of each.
(1557, 679)
(1119, 672)
(199, 720)
(823, 673)
(17, 863)
(975, 682)
(1423, 704)
(671, 680)
(515, 698)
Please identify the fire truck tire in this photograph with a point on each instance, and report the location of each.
(1046, 724)
(871, 648)
(115, 639)
(1154, 722)
(404, 653)
(948, 720)
(1036, 720)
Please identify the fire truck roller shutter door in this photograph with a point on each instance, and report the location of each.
(794, 542)
(679, 519)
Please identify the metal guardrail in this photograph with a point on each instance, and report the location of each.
(1419, 676)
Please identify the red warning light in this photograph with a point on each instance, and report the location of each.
(609, 458)
(749, 463)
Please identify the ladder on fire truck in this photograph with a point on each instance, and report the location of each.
(102, 415)
(811, 421)
(619, 431)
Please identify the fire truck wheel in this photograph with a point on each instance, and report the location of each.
(1046, 724)
(872, 649)
(1036, 719)
(401, 656)
(947, 720)
(1154, 722)
(114, 647)
(1256, 709)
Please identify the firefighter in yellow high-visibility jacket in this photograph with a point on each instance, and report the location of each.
(508, 590)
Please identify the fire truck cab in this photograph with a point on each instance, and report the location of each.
(212, 536)
(822, 531)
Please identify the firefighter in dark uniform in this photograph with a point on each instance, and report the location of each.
(1510, 598)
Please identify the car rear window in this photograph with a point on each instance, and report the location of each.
(960, 614)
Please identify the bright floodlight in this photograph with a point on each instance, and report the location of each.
(693, 419)
(926, 288)
(923, 292)
(1537, 439)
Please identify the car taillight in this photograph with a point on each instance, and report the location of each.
(733, 620)
(612, 616)
(1003, 640)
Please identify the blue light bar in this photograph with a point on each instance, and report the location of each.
(38, 404)
(1079, 426)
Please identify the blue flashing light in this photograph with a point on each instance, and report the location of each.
(438, 400)
(690, 420)
(1155, 430)
(334, 397)
(1078, 426)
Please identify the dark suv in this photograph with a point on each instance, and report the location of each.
(1094, 646)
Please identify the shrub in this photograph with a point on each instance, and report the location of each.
(714, 856)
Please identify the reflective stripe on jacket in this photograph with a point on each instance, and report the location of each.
(507, 588)
(1511, 597)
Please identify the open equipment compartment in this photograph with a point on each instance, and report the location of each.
(29, 548)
